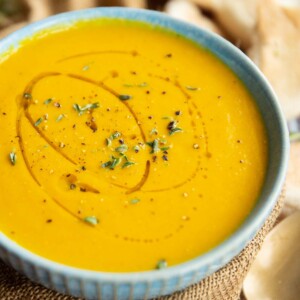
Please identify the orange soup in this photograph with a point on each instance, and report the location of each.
(124, 147)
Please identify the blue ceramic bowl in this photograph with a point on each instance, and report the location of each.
(145, 285)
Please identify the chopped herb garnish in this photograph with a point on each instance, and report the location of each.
(161, 264)
(136, 149)
(90, 106)
(60, 117)
(154, 146)
(106, 164)
(81, 110)
(48, 101)
(114, 162)
(91, 220)
(77, 107)
(38, 122)
(192, 88)
(85, 68)
(134, 201)
(172, 125)
(165, 148)
(116, 135)
(27, 96)
(128, 164)
(124, 156)
(294, 136)
(175, 130)
(13, 158)
(167, 118)
(121, 149)
(125, 97)
(153, 131)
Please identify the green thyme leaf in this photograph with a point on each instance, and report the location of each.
(48, 101)
(112, 137)
(114, 162)
(154, 131)
(38, 122)
(161, 264)
(172, 125)
(124, 156)
(115, 135)
(121, 149)
(135, 201)
(77, 108)
(136, 149)
(128, 164)
(192, 88)
(175, 130)
(81, 110)
(154, 146)
(60, 117)
(125, 97)
(90, 106)
(165, 148)
(91, 220)
(106, 164)
(13, 158)
(85, 68)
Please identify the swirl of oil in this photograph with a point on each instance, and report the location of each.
(24, 113)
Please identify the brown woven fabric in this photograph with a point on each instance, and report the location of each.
(225, 284)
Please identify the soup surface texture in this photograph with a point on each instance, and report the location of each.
(124, 147)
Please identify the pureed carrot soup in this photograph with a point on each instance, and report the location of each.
(124, 147)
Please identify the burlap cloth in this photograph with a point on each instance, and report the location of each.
(225, 284)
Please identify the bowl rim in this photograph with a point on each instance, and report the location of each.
(249, 226)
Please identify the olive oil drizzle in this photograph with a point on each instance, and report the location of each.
(25, 104)
(25, 113)
(85, 54)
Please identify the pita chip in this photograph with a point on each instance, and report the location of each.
(276, 52)
(187, 11)
(275, 273)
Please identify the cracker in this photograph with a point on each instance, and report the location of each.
(189, 12)
(276, 52)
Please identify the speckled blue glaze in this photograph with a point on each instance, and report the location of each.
(146, 285)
